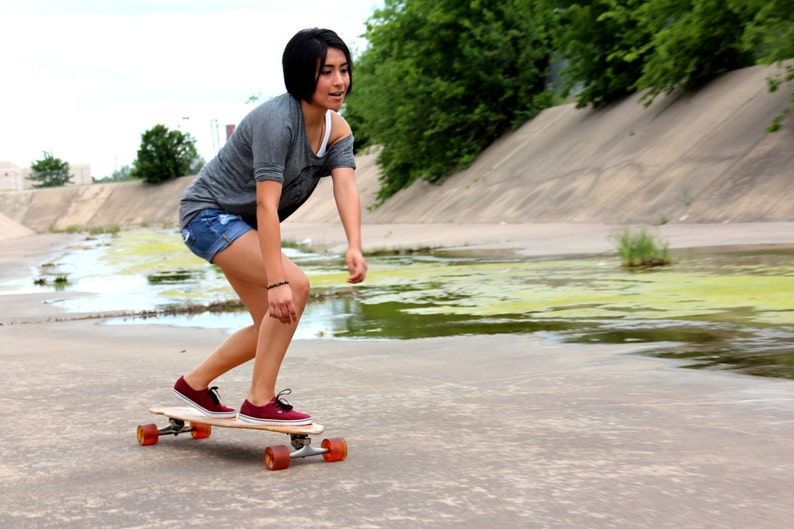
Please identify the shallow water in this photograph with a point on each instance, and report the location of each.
(712, 310)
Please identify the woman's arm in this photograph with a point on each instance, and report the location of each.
(280, 301)
(348, 203)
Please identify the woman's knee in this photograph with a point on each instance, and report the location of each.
(300, 287)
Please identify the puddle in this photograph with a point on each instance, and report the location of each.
(723, 310)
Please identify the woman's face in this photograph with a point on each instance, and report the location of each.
(332, 81)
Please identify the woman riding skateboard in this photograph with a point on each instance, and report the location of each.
(231, 217)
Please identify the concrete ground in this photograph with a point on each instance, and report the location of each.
(463, 432)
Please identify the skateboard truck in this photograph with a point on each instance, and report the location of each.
(303, 447)
(175, 427)
(279, 457)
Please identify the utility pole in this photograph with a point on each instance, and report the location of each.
(216, 140)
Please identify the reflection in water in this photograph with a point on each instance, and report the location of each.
(726, 311)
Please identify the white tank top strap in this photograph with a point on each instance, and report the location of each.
(324, 145)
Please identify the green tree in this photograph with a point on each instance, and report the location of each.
(442, 79)
(49, 172)
(617, 47)
(693, 42)
(603, 46)
(164, 155)
(770, 37)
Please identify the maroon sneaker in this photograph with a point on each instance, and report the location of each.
(276, 412)
(206, 401)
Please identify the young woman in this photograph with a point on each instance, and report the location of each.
(231, 216)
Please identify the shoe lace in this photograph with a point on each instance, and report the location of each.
(216, 397)
(282, 403)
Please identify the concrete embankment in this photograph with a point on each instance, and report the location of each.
(99, 205)
(700, 158)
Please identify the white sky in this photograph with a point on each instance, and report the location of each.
(85, 78)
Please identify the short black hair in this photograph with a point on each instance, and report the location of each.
(304, 54)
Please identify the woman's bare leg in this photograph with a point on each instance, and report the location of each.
(236, 350)
(268, 339)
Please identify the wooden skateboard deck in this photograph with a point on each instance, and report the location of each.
(189, 420)
(188, 414)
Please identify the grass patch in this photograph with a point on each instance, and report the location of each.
(97, 230)
(297, 245)
(386, 252)
(641, 249)
(112, 230)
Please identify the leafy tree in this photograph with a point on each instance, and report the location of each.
(770, 37)
(770, 34)
(164, 155)
(693, 41)
(442, 79)
(617, 47)
(49, 172)
(603, 46)
(361, 137)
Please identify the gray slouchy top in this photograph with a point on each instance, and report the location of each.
(270, 143)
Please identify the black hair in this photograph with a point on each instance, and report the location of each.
(304, 54)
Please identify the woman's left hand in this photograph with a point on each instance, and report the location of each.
(281, 305)
(356, 266)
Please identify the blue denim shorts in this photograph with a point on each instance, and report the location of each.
(213, 230)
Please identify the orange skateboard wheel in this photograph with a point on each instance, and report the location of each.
(200, 431)
(148, 434)
(337, 449)
(277, 457)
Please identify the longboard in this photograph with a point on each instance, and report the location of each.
(188, 420)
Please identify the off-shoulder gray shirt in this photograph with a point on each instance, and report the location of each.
(270, 143)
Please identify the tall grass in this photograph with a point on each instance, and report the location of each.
(640, 248)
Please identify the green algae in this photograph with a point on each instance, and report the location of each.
(150, 251)
(726, 288)
(589, 288)
(721, 310)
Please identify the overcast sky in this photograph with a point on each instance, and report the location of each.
(85, 78)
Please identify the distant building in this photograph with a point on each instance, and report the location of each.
(11, 177)
(81, 173)
(14, 178)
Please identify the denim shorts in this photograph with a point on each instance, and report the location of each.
(213, 230)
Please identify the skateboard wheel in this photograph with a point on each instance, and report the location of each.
(337, 449)
(200, 431)
(148, 434)
(277, 457)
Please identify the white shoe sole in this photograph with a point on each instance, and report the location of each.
(205, 412)
(266, 422)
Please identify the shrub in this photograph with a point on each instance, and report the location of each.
(640, 248)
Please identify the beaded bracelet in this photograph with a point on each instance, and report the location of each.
(274, 285)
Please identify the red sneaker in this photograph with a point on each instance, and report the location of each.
(276, 412)
(206, 401)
